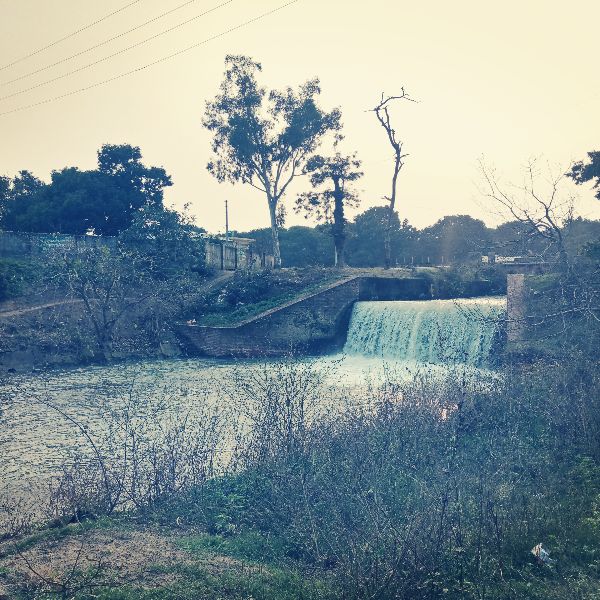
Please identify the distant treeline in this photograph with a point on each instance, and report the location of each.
(452, 240)
(122, 194)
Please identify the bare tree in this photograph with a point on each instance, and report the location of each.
(568, 302)
(383, 116)
(541, 207)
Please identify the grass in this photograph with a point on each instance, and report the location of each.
(199, 584)
(248, 545)
(18, 277)
(227, 316)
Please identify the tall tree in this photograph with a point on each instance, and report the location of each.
(261, 138)
(328, 204)
(590, 171)
(383, 116)
(123, 163)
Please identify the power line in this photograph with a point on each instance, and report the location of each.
(151, 64)
(122, 51)
(74, 33)
(103, 43)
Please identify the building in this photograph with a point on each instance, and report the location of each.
(227, 253)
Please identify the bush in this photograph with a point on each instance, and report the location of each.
(423, 489)
(251, 292)
(16, 277)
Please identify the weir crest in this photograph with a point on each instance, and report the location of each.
(426, 331)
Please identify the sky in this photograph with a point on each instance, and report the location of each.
(506, 81)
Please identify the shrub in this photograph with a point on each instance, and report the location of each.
(16, 277)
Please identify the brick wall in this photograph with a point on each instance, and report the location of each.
(515, 307)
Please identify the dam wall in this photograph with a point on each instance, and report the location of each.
(314, 323)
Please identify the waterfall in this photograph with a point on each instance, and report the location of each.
(433, 331)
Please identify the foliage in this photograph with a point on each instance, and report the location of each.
(586, 172)
(164, 243)
(264, 139)
(16, 277)
(464, 281)
(455, 239)
(101, 281)
(366, 246)
(329, 205)
(252, 292)
(563, 311)
(104, 200)
(420, 489)
(301, 246)
(411, 488)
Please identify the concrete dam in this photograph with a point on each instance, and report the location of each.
(359, 314)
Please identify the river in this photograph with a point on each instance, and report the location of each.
(36, 433)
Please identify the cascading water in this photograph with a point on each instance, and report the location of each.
(431, 331)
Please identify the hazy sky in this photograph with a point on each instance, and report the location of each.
(508, 80)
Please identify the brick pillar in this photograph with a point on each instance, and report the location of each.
(515, 307)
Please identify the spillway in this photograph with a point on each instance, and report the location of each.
(426, 331)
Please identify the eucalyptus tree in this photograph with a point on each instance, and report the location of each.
(264, 138)
(326, 204)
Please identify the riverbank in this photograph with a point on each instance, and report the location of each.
(421, 489)
(53, 329)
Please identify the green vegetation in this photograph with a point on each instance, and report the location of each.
(562, 313)
(427, 489)
(104, 200)
(457, 240)
(251, 293)
(17, 277)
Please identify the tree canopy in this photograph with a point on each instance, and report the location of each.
(454, 238)
(104, 200)
(327, 204)
(263, 139)
(583, 172)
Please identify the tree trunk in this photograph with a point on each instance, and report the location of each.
(275, 232)
(387, 242)
(338, 227)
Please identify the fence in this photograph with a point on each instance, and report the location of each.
(21, 245)
(235, 253)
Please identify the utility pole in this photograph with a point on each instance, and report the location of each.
(226, 222)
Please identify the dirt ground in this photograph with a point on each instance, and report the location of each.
(137, 558)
